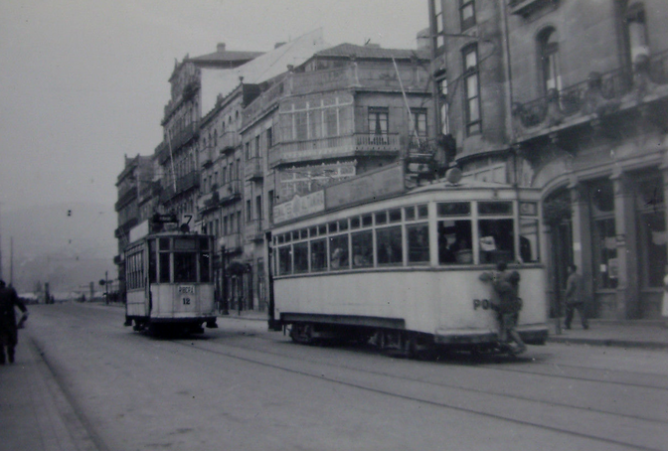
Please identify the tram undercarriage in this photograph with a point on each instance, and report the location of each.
(411, 344)
(183, 326)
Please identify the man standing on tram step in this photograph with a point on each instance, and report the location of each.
(575, 297)
(509, 305)
(8, 327)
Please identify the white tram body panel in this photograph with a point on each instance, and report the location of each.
(444, 299)
(448, 304)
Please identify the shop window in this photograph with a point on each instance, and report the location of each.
(362, 249)
(605, 253)
(338, 249)
(318, 255)
(454, 241)
(651, 213)
(301, 257)
(284, 260)
(418, 243)
(388, 246)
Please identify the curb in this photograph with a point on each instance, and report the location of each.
(610, 342)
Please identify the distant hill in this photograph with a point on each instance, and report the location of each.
(68, 245)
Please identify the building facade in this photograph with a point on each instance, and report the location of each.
(529, 104)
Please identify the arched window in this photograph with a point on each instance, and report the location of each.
(548, 55)
(636, 31)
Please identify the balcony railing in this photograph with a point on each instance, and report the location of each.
(228, 141)
(599, 95)
(324, 80)
(360, 144)
(183, 184)
(253, 168)
(233, 243)
(229, 192)
(208, 201)
(266, 100)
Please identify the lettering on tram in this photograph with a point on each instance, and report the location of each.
(406, 269)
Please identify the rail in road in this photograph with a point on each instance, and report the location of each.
(532, 394)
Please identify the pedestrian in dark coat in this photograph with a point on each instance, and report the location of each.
(8, 326)
(575, 298)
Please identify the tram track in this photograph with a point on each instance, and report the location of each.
(226, 344)
(319, 375)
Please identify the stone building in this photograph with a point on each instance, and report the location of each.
(135, 203)
(195, 85)
(569, 97)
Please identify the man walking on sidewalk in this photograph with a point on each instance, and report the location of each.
(574, 297)
(8, 326)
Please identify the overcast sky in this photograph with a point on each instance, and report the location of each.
(84, 82)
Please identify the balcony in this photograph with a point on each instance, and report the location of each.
(525, 7)
(253, 230)
(600, 95)
(360, 144)
(233, 243)
(127, 196)
(267, 100)
(183, 184)
(253, 169)
(207, 202)
(228, 141)
(178, 140)
(229, 192)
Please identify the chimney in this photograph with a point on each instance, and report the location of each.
(279, 44)
(220, 48)
(423, 39)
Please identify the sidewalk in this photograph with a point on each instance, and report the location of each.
(253, 315)
(35, 413)
(631, 334)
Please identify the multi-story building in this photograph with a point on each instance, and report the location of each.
(194, 82)
(220, 203)
(135, 186)
(568, 97)
(344, 111)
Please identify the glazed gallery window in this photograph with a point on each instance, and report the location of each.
(362, 249)
(389, 249)
(650, 213)
(338, 252)
(472, 91)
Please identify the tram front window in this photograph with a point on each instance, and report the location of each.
(204, 265)
(164, 267)
(185, 267)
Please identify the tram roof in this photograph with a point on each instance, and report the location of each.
(442, 184)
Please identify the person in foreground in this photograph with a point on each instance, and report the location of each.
(508, 306)
(8, 325)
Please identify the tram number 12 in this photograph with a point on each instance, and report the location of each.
(186, 301)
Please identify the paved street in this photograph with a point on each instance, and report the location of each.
(82, 381)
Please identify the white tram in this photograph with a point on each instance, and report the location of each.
(169, 282)
(407, 268)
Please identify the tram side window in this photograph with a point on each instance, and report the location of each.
(418, 243)
(301, 257)
(454, 242)
(338, 252)
(389, 248)
(529, 240)
(496, 240)
(284, 260)
(152, 263)
(362, 249)
(318, 255)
